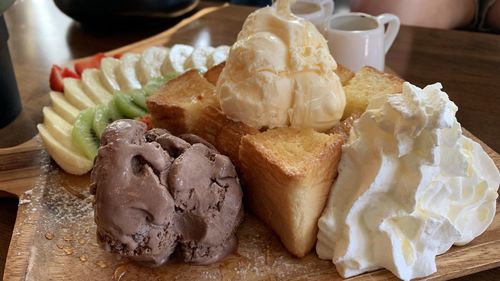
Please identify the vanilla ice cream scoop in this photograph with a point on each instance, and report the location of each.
(410, 186)
(280, 73)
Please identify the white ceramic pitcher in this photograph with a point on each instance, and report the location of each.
(358, 39)
(316, 11)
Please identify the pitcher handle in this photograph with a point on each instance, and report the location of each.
(392, 29)
(328, 6)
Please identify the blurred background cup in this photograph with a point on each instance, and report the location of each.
(316, 11)
(10, 103)
(358, 39)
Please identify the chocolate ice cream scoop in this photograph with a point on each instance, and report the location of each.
(155, 193)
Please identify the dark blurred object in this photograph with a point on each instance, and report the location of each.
(10, 103)
(120, 11)
(256, 3)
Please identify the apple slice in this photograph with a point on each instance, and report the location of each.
(69, 160)
(198, 59)
(63, 108)
(149, 66)
(176, 59)
(73, 91)
(126, 74)
(218, 55)
(109, 67)
(91, 80)
(57, 126)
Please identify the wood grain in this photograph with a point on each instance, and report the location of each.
(8, 210)
(54, 239)
(467, 65)
(20, 166)
(225, 34)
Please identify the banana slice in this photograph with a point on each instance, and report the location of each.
(63, 108)
(176, 58)
(109, 68)
(126, 74)
(149, 66)
(68, 159)
(218, 55)
(73, 91)
(91, 79)
(57, 126)
(198, 59)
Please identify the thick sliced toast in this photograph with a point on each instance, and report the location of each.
(367, 84)
(223, 133)
(178, 104)
(287, 173)
(212, 75)
(344, 73)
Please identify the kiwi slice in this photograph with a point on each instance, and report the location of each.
(101, 120)
(83, 135)
(154, 84)
(113, 111)
(139, 98)
(126, 106)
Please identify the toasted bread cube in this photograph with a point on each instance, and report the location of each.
(343, 128)
(225, 134)
(344, 73)
(212, 75)
(177, 105)
(229, 139)
(288, 174)
(210, 124)
(367, 84)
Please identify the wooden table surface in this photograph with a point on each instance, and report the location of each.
(466, 63)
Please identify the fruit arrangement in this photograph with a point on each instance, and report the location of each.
(102, 89)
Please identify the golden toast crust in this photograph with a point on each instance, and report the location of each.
(212, 75)
(289, 196)
(177, 104)
(344, 73)
(223, 133)
(367, 84)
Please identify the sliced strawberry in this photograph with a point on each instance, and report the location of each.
(68, 73)
(56, 79)
(118, 56)
(92, 62)
(146, 119)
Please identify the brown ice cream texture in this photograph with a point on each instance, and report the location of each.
(156, 194)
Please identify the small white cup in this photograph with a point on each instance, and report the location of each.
(358, 39)
(315, 11)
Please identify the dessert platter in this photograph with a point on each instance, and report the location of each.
(262, 159)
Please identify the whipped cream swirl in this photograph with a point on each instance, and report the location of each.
(410, 186)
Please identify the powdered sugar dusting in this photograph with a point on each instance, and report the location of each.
(64, 245)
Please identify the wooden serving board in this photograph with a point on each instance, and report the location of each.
(54, 234)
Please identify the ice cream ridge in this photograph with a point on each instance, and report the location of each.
(410, 186)
(280, 73)
(156, 193)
